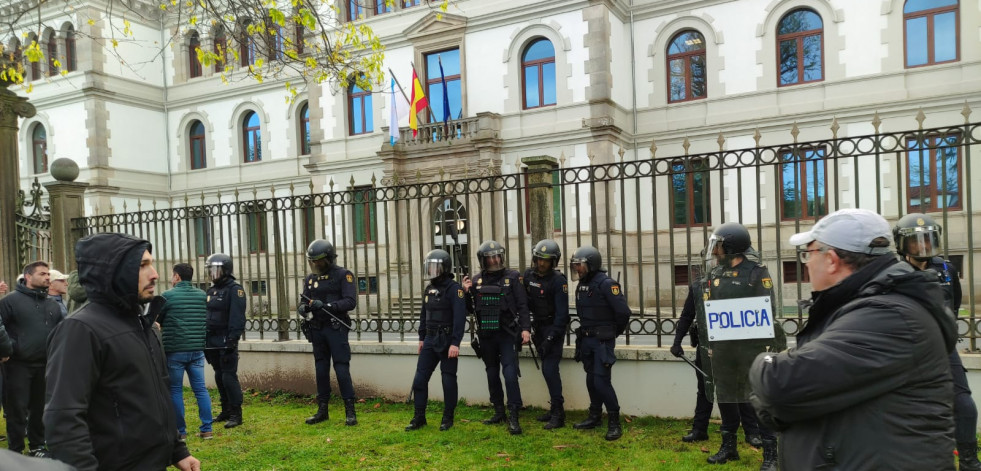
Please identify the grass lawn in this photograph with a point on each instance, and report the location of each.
(274, 437)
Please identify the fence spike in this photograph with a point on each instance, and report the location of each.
(834, 127)
(686, 145)
(757, 136)
(721, 140)
(621, 152)
(419, 174)
(139, 205)
(920, 117)
(653, 149)
(373, 180)
(966, 112)
(795, 131)
(352, 179)
(292, 188)
(590, 156)
(331, 183)
(562, 159)
(876, 122)
(442, 173)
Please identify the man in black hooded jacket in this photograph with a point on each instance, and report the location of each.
(868, 385)
(108, 401)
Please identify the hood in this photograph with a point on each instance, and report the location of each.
(920, 286)
(39, 293)
(109, 269)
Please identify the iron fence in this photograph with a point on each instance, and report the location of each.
(649, 218)
(33, 222)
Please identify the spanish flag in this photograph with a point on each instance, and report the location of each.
(418, 104)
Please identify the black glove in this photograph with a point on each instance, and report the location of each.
(677, 351)
(302, 309)
(316, 304)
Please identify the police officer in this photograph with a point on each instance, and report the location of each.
(500, 305)
(328, 294)
(548, 300)
(225, 325)
(441, 326)
(736, 276)
(918, 244)
(603, 316)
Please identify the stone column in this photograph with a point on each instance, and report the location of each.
(540, 208)
(12, 107)
(66, 199)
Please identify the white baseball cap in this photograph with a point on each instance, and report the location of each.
(56, 275)
(848, 229)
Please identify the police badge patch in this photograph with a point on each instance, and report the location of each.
(241, 293)
(350, 278)
(615, 289)
(459, 293)
(565, 288)
(767, 283)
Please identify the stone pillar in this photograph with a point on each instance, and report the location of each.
(540, 208)
(66, 199)
(12, 107)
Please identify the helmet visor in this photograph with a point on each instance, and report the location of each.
(920, 242)
(493, 260)
(216, 272)
(712, 252)
(577, 265)
(432, 268)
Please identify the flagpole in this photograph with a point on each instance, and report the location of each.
(428, 108)
(400, 86)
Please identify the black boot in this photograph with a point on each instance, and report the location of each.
(592, 420)
(727, 452)
(223, 416)
(350, 417)
(613, 430)
(447, 421)
(754, 440)
(556, 418)
(418, 421)
(770, 455)
(234, 417)
(695, 436)
(320, 416)
(967, 456)
(547, 416)
(498, 417)
(514, 428)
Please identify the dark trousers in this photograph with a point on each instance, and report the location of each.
(965, 411)
(703, 409)
(598, 359)
(551, 355)
(225, 364)
(731, 413)
(331, 344)
(498, 354)
(25, 405)
(428, 358)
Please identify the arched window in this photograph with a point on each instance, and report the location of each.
(34, 66)
(39, 147)
(686, 67)
(193, 63)
(70, 62)
(196, 141)
(251, 138)
(538, 74)
(800, 47)
(52, 53)
(360, 112)
(930, 32)
(221, 50)
(305, 129)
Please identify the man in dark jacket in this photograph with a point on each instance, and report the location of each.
(868, 385)
(225, 326)
(29, 315)
(108, 405)
(182, 325)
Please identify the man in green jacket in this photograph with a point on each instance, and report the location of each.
(182, 325)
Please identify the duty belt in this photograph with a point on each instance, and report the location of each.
(597, 330)
(437, 330)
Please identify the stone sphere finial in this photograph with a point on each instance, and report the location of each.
(64, 170)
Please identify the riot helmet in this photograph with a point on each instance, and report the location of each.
(321, 255)
(219, 266)
(917, 236)
(490, 255)
(727, 241)
(546, 250)
(436, 264)
(586, 260)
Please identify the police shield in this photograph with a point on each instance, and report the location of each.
(731, 333)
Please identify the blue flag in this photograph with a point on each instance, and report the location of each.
(446, 95)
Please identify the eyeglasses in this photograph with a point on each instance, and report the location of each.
(805, 255)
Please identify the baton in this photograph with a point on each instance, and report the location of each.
(693, 365)
(534, 357)
(349, 327)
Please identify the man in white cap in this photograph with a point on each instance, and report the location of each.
(868, 385)
(58, 290)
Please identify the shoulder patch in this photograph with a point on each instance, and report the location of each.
(767, 283)
(459, 293)
(507, 282)
(615, 289)
(349, 278)
(241, 293)
(565, 287)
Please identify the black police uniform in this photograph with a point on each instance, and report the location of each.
(548, 301)
(603, 315)
(503, 292)
(965, 411)
(703, 406)
(746, 279)
(225, 325)
(441, 325)
(336, 289)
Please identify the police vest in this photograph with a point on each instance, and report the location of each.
(540, 296)
(490, 302)
(439, 307)
(591, 304)
(732, 282)
(327, 287)
(219, 303)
